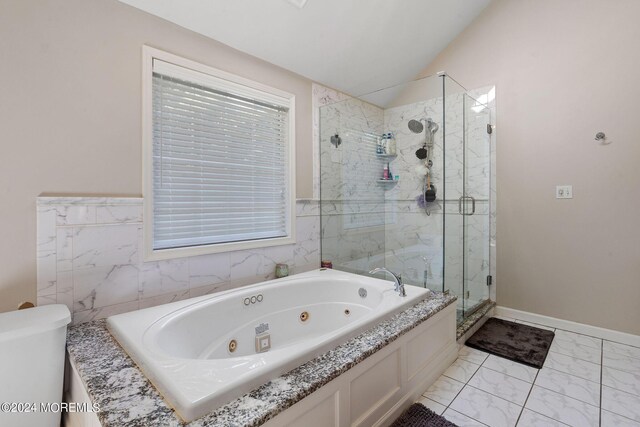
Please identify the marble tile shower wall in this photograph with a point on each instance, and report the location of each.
(422, 263)
(414, 240)
(406, 240)
(352, 203)
(89, 257)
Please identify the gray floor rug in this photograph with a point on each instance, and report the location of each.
(514, 341)
(418, 415)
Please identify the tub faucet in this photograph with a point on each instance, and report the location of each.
(399, 288)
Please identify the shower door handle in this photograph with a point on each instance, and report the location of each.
(462, 204)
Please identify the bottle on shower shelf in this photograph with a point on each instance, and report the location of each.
(391, 144)
(385, 171)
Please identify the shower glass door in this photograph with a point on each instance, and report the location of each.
(467, 171)
(474, 203)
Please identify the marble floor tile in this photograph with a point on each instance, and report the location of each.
(625, 350)
(433, 405)
(461, 420)
(486, 408)
(528, 418)
(621, 362)
(472, 355)
(621, 380)
(579, 351)
(609, 419)
(569, 385)
(562, 408)
(501, 385)
(621, 403)
(514, 369)
(461, 370)
(548, 328)
(578, 338)
(444, 390)
(571, 365)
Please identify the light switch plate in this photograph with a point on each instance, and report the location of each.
(564, 191)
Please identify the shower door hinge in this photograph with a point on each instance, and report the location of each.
(489, 129)
(489, 280)
(467, 294)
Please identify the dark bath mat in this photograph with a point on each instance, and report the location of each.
(514, 341)
(418, 415)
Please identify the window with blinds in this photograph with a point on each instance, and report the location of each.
(220, 161)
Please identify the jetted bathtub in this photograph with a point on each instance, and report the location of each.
(203, 352)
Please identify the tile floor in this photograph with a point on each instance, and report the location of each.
(584, 382)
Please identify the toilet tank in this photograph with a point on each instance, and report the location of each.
(32, 349)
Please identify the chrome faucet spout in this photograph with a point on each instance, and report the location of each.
(399, 286)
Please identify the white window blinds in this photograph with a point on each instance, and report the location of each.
(220, 161)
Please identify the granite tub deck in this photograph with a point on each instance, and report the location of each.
(127, 398)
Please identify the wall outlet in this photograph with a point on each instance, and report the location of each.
(564, 191)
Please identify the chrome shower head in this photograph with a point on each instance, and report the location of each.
(415, 126)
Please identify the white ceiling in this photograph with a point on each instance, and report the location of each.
(356, 46)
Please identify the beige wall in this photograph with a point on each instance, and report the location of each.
(70, 111)
(564, 70)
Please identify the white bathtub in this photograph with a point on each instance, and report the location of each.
(183, 347)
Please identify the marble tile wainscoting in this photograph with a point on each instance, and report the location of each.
(90, 258)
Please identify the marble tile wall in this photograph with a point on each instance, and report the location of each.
(414, 240)
(365, 225)
(320, 97)
(352, 201)
(363, 221)
(89, 257)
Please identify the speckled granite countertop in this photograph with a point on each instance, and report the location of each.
(127, 398)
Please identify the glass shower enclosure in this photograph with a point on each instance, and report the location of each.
(405, 184)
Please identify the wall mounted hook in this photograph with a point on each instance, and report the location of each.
(336, 140)
(602, 139)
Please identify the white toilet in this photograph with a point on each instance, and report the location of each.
(32, 349)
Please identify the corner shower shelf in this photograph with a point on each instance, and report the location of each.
(388, 181)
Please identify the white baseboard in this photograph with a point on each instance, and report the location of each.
(567, 325)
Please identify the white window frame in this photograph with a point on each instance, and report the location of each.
(233, 84)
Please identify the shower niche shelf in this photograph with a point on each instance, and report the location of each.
(386, 156)
(388, 181)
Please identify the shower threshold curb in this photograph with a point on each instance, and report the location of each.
(467, 324)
